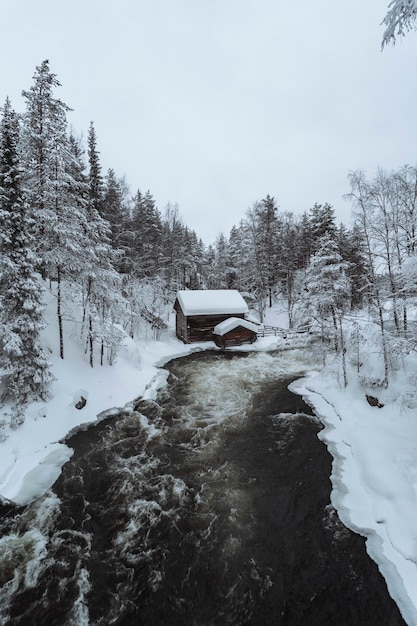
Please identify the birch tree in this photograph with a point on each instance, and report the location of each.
(361, 200)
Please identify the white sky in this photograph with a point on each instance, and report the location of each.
(214, 104)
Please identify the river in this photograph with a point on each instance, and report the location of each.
(208, 506)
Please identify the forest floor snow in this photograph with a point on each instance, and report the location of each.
(374, 473)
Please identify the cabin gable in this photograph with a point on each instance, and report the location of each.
(234, 332)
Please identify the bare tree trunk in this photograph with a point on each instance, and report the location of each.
(59, 313)
(343, 351)
(336, 331)
(362, 198)
(90, 340)
(384, 345)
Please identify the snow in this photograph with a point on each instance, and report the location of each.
(231, 323)
(212, 302)
(374, 471)
(374, 477)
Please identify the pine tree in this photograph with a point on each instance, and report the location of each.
(288, 262)
(100, 282)
(221, 271)
(357, 270)
(262, 227)
(53, 192)
(21, 312)
(95, 179)
(328, 290)
(306, 241)
(322, 222)
(146, 229)
(116, 211)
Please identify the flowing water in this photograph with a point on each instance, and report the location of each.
(209, 506)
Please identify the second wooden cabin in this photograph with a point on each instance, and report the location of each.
(233, 332)
(199, 311)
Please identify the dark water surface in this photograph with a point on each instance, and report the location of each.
(209, 506)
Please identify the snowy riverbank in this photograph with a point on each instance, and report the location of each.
(374, 478)
(374, 472)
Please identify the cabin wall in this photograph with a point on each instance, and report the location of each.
(181, 329)
(200, 327)
(235, 337)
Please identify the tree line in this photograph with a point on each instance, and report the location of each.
(113, 261)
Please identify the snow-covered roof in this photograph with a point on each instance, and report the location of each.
(231, 323)
(212, 302)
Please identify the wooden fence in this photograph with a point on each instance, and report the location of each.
(276, 331)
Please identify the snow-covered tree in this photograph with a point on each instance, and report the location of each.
(361, 199)
(401, 17)
(53, 192)
(220, 269)
(95, 179)
(182, 252)
(146, 236)
(262, 225)
(289, 262)
(328, 291)
(115, 210)
(103, 306)
(322, 222)
(26, 370)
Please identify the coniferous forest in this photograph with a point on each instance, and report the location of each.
(114, 260)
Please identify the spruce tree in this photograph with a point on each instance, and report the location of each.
(27, 374)
(146, 229)
(322, 221)
(328, 291)
(101, 284)
(53, 192)
(95, 179)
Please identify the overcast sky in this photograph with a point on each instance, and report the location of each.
(214, 104)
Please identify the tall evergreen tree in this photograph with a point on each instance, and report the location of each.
(322, 222)
(100, 282)
(328, 291)
(327, 285)
(289, 261)
(262, 224)
(306, 243)
(146, 229)
(21, 307)
(53, 192)
(95, 179)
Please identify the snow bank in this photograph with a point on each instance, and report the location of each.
(374, 478)
(32, 455)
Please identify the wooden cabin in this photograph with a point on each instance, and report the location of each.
(233, 332)
(199, 311)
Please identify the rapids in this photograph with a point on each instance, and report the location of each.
(208, 506)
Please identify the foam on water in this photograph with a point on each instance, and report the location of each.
(172, 511)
